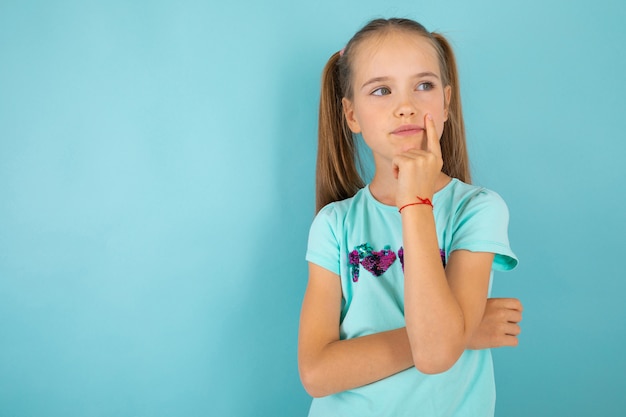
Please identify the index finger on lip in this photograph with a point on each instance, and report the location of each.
(431, 135)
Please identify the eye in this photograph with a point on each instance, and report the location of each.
(425, 86)
(381, 91)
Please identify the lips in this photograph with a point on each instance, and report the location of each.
(407, 130)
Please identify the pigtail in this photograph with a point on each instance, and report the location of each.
(453, 144)
(337, 176)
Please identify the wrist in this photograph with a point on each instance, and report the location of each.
(419, 201)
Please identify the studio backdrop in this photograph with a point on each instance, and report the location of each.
(157, 164)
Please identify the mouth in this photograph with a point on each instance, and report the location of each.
(408, 130)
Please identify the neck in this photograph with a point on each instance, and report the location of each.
(383, 188)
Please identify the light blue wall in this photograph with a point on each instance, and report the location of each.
(156, 189)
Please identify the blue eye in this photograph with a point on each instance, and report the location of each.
(381, 91)
(425, 86)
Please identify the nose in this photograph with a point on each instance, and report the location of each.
(405, 108)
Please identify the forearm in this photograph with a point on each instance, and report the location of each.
(435, 322)
(351, 363)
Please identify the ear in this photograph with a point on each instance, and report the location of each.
(348, 112)
(447, 94)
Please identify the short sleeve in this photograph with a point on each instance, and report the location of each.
(482, 226)
(323, 247)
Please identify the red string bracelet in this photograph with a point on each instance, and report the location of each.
(421, 201)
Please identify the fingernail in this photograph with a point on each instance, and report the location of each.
(429, 116)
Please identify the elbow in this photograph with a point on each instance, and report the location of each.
(311, 386)
(432, 364)
(430, 368)
(312, 382)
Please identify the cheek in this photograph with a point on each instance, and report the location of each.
(368, 118)
(440, 127)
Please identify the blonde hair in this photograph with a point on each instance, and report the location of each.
(337, 173)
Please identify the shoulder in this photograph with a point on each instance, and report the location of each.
(466, 199)
(327, 233)
(330, 219)
(479, 220)
(340, 209)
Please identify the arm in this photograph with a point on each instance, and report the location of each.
(327, 364)
(442, 307)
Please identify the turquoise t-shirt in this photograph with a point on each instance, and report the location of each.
(360, 239)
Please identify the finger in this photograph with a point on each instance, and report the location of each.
(511, 341)
(432, 138)
(396, 168)
(512, 329)
(398, 161)
(508, 303)
(509, 316)
(515, 317)
(503, 340)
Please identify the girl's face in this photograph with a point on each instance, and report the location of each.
(396, 82)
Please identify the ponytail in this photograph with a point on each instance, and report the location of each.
(453, 144)
(337, 176)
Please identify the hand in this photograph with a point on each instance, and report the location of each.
(417, 170)
(499, 326)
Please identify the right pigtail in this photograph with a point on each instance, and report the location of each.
(337, 176)
(453, 143)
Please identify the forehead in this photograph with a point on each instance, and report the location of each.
(394, 54)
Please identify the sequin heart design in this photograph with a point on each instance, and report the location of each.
(378, 262)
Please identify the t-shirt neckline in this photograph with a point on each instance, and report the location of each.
(437, 196)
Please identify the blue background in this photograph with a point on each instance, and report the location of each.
(157, 185)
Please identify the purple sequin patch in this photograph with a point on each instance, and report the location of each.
(377, 262)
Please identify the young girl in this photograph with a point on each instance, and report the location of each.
(396, 319)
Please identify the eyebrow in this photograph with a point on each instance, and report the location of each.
(382, 79)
